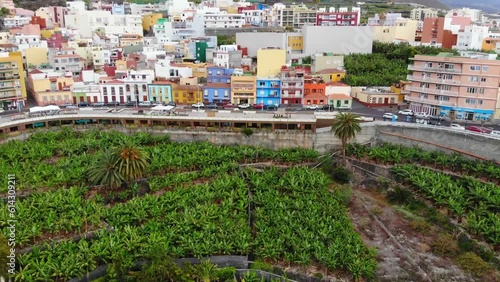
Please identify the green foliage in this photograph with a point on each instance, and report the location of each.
(225, 40)
(106, 171)
(262, 266)
(247, 132)
(345, 127)
(472, 263)
(341, 174)
(206, 271)
(387, 64)
(227, 274)
(4, 252)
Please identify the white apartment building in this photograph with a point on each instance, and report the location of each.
(105, 40)
(164, 69)
(88, 22)
(100, 57)
(222, 57)
(419, 14)
(92, 92)
(471, 37)
(143, 9)
(15, 21)
(66, 59)
(224, 20)
(136, 85)
(254, 17)
(176, 7)
(163, 30)
(388, 19)
(27, 41)
(476, 16)
(191, 27)
(76, 5)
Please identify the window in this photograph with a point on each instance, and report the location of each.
(479, 102)
(422, 95)
(210, 72)
(424, 85)
(473, 79)
(216, 93)
(59, 98)
(470, 101)
(393, 100)
(471, 90)
(481, 90)
(262, 83)
(483, 79)
(226, 93)
(485, 68)
(475, 68)
(205, 93)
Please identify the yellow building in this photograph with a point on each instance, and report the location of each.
(121, 65)
(50, 90)
(375, 96)
(296, 42)
(187, 94)
(243, 89)
(36, 56)
(331, 75)
(130, 40)
(12, 83)
(491, 44)
(148, 21)
(398, 87)
(270, 61)
(199, 69)
(47, 33)
(404, 30)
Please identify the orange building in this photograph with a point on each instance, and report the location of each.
(314, 91)
(434, 33)
(39, 21)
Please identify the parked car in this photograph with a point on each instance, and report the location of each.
(271, 107)
(457, 126)
(439, 118)
(259, 106)
(71, 107)
(83, 104)
(198, 105)
(113, 104)
(145, 104)
(406, 112)
(66, 105)
(495, 133)
(422, 115)
(478, 129)
(244, 106)
(98, 104)
(312, 107)
(228, 106)
(212, 106)
(171, 104)
(390, 116)
(130, 104)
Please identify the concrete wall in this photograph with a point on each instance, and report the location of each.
(341, 40)
(258, 40)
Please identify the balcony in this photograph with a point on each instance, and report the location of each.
(290, 79)
(440, 70)
(432, 80)
(10, 94)
(432, 91)
(429, 101)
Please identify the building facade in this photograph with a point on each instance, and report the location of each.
(338, 18)
(219, 75)
(243, 89)
(12, 84)
(292, 86)
(160, 92)
(268, 91)
(434, 34)
(460, 87)
(218, 93)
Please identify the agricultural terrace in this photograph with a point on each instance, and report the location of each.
(194, 201)
(467, 189)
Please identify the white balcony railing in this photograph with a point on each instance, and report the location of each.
(429, 101)
(432, 80)
(432, 91)
(424, 68)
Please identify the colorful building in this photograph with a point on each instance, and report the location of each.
(243, 89)
(35, 56)
(270, 61)
(50, 88)
(218, 93)
(339, 101)
(187, 94)
(148, 21)
(12, 83)
(314, 91)
(219, 74)
(434, 33)
(268, 91)
(292, 86)
(491, 44)
(160, 92)
(332, 75)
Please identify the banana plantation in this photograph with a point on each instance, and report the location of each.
(191, 200)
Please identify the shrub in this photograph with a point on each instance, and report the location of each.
(376, 210)
(445, 245)
(345, 193)
(247, 131)
(4, 252)
(397, 195)
(227, 274)
(472, 263)
(341, 174)
(237, 129)
(262, 266)
(212, 129)
(421, 226)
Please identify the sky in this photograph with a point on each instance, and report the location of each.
(490, 6)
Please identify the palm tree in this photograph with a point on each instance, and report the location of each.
(105, 171)
(132, 161)
(345, 127)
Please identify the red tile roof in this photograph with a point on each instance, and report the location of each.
(337, 96)
(315, 96)
(336, 84)
(35, 71)
(327, 71)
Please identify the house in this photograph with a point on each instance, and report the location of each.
(187, 94)
(113, 90)
(315, 99)
(337, 88)
(332, 75)
(66, 59)
(217, 93)
(268, 91)
(243, 89)
(50, 87)
(269, 62)
(160, 92)
(314, 91)
(13, 92)
(292, 86)
(339, 101)
(217, 74)
(375, 96)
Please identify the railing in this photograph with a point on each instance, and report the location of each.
(423, 68)
(432, 80)
(432, 91)
(429, 101)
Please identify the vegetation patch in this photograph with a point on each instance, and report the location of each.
(472, 263)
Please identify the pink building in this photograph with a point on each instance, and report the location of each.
(27, 29)
(337, 18)
(447, 85)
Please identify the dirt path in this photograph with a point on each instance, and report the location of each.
(403, 254)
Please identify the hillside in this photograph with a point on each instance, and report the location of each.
(428, 3)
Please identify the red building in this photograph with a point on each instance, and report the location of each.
(337, 18)
(433, 33)
(56, 40)
(251, 7)
(39, 21)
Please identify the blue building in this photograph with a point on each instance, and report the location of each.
(219, 75)
(219, 93)
(160, 91)
(466, 113)
(268, 91)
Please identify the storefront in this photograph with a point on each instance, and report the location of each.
(466, 113)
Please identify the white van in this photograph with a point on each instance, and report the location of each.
(495, 133)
